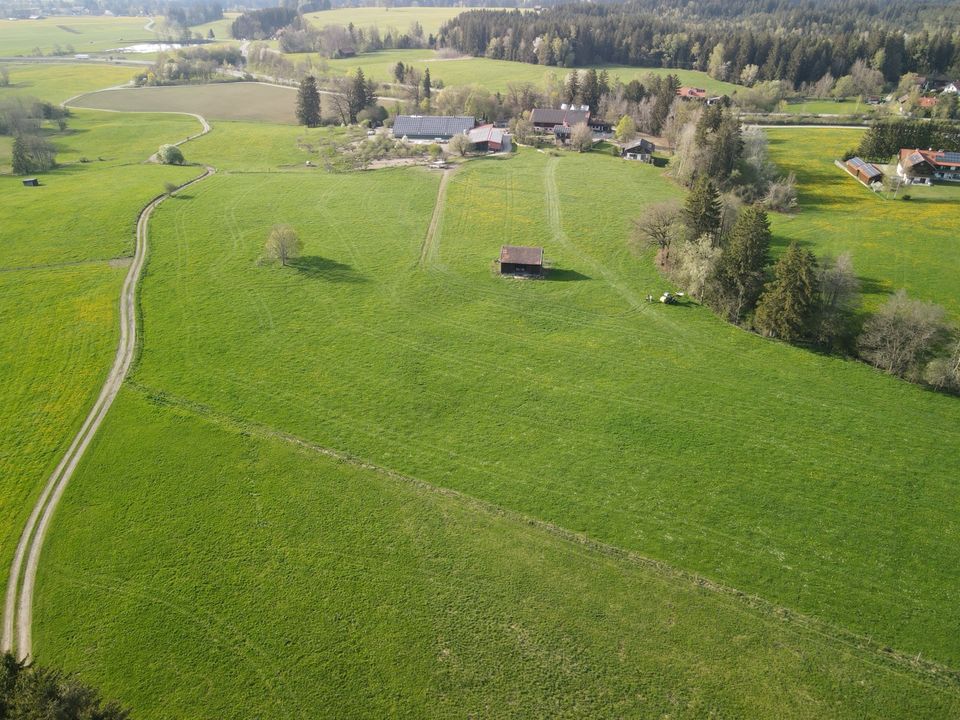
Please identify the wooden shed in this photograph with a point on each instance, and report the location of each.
(31, 182)
(863, 171)
(521, 260)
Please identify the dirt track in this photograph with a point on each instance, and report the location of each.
(18, 607)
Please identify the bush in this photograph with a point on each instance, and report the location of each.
(170, 155)
(905, 196)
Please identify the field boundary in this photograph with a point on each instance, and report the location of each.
(431, 243)
(18, 606)
(923, 671)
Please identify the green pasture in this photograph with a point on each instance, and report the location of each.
(230, 573)
(387, 19)
(218, 101)
(86, 34)
(221, 27)
(895, 243)
(827, 107)
(809, 481)
(63, 250)
(61, 82)
(494, 75)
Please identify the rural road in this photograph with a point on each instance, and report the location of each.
(18, 606)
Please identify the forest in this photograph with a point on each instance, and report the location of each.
(794, 42)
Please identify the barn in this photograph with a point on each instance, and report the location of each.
(638, 150)
(521, 260)
(487, 138)
(863, 171)
(548, 118)
(438, 128)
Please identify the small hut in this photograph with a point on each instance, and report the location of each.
(31, 182)
(521, 260)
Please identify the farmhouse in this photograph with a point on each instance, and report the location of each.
(432, 127)
(521, 260)
(638, 150)
(936, 164)
(487, 138)
(863, 171)
(567, 116)
(952, 87)
(691, 93)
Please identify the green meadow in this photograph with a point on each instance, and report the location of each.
(387, 19)
(63, 81)
(495, 75)
(63, 250)
(827, 107)
(85, 34)
(810, 482)
(895, 243)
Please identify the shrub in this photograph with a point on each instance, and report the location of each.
(170, 155)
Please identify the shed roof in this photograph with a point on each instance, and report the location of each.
(521, 255)
(692, 92)
(641, 143)
(549, 116)
(487, 133)
(432, 125)
(868, 169)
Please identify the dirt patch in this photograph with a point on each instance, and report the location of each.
(120, 262)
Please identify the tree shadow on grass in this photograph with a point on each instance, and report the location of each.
(323, 268)
(563, 275)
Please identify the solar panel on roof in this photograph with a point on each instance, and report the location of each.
(952, 157)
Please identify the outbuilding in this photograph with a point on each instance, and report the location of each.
(863, 171)
(488, 138)
(439, 128)
(31, 182)
(641, 149)
(567, 116)
(521, 260)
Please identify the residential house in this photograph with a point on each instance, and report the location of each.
(934, 164)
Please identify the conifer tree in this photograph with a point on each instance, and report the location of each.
(20, 157)
(740, 270)
(308, 103)
(426, 83)
(788, 305)
(703, 209)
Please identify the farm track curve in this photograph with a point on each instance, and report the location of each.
(18, 603)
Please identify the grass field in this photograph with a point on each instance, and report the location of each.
(288, 584)
(810, 481)
(85, 34)
(386, 18)
(827, 107)
(219, 101)
(221, 28)
(63, 81)
(492, 74)
(61, 266)
(895, 243)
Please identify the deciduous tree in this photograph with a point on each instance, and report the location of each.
(581, 137)
(460, 144)
(283, 244)
(902, 335)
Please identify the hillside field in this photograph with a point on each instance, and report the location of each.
(782, 474)
(85, 33)
(59, 83)
(895, 243)
(388, 19)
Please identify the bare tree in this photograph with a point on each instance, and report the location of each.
(902, 335)
(581, 137)
(660, 226)
(283, 244)
(943, 372)
(839, 298)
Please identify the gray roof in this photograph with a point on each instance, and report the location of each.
(549, 116)
(432, 125)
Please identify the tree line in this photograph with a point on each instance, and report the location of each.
(721, 254)
(23, 119)
(885, 138)
(35, 691)
(777, 40)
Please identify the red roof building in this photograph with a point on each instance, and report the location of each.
(935, 164)
(692, 93)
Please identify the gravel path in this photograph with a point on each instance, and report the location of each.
(18, 605)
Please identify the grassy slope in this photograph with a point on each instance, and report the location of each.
(85, 34)
(58, 288)
(811, 481)
(255, 578)
(394, 19)
(895, 243)
(492, 74)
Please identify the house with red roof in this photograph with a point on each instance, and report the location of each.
(914, 164)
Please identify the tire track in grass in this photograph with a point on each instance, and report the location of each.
(18, 604)
(431, 243)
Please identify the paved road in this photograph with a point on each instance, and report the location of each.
(18, 606)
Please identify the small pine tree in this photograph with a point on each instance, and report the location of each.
(740, 270)
(788, 306)
(703, 210)
(20, 157)
(308, 102)
(426, 83)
